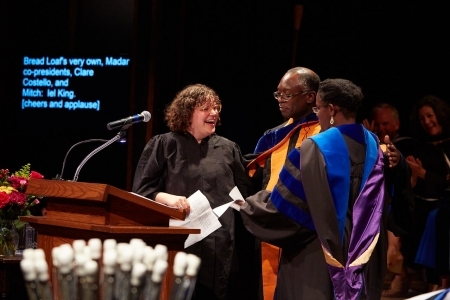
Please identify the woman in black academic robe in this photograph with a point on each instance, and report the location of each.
(190, 158)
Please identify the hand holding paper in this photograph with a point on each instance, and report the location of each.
(237, 197)
(235, 194)
(201, 216)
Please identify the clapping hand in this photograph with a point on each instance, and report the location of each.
(417, 169)
(415, 164)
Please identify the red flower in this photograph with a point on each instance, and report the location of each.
(36, 175)
(18, 198)
(13, 200)
(4, 199)
(17, 182)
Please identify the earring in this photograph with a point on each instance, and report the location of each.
(332, 120)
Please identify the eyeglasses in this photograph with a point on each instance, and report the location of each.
(287, 97)
(209, 108)
(315, 109)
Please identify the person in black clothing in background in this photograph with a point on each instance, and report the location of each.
(430, 119)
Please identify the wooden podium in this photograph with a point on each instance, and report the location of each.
(79, 210)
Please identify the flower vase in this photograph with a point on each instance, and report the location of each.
(9, 238)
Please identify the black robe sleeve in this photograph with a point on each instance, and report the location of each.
(149, 176)
(263, 220)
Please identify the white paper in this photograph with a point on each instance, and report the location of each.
(208, 223)
(201, 216)
(199, 205)
(221, 209)
(235, 194)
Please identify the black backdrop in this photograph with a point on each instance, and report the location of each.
(396, 52)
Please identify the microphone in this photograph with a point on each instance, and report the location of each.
(142, 117)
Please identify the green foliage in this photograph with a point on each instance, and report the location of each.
(24, 171)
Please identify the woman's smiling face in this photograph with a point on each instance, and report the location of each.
(204, 119)
(429, 121)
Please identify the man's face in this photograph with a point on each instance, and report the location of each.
(385, 124)
(300, 103)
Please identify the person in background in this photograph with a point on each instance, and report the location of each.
(193, 157)
(296, 96)
(384, 120)
(430, 119)
(328, 210)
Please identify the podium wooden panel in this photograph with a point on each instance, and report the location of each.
(80, 210)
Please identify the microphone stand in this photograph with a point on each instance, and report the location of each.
(117, 137)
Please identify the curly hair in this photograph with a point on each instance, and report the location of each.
(440, 108)
(343, 93)
(179, 112)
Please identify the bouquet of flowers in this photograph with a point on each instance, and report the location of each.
(14, 202)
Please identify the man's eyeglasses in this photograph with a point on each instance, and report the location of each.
(209, 108)
(285, 98)
(315, 109)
